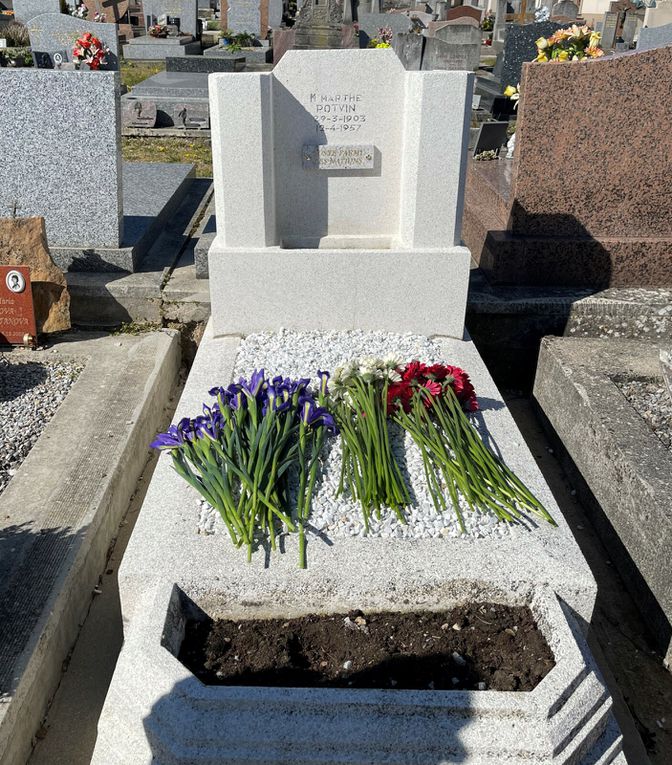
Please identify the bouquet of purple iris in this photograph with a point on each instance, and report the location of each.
(240, 453)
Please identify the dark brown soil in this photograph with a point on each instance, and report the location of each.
(476, 647)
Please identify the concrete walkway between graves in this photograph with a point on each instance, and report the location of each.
(640, 686)
(69, 733)
(62, 508)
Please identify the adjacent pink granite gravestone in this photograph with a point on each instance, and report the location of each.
(586, 201)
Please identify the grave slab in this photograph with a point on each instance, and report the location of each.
(149, 48)
(168, 90)
(256, 55)
(206, 64)
(53, 552)
(623, 464)
(166, 549)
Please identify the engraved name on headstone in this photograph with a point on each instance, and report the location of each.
(335, 157)
(337, 112)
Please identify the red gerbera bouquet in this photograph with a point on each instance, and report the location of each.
(90, 50)
(433, 378)
(431, 403)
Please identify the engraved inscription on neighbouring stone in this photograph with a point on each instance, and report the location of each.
(332, 157)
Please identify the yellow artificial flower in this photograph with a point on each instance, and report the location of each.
(563, 55)
(542, 57)
(594, 40)
(509, 90)
(541, 43)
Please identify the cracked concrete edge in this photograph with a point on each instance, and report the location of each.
(40, 665)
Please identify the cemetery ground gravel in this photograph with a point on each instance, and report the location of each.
(196, 151)
(476, 646)
(32, 388)
(653, 403)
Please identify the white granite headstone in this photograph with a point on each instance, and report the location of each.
(344, 154)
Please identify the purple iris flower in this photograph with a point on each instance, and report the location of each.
(256, 383)
(324, 379)
(176, 435)
(314, 416)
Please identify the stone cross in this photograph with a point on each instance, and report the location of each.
(500, 22)
(114, 10)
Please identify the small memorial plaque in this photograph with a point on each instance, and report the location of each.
(138, 114)
(338, 157)
(53, 60)
(191, 116)
(17, 312)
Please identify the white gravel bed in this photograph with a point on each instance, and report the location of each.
(301, 354)
(32, 388)
(652, 401)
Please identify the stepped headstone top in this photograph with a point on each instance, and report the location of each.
(57, 32)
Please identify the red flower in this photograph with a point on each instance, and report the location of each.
(400, 392)
(412, 371)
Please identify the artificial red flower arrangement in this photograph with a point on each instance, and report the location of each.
(89, 50)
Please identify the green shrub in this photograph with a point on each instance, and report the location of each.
(213, 25)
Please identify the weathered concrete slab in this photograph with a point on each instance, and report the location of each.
(61, 511)
(625, 466)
